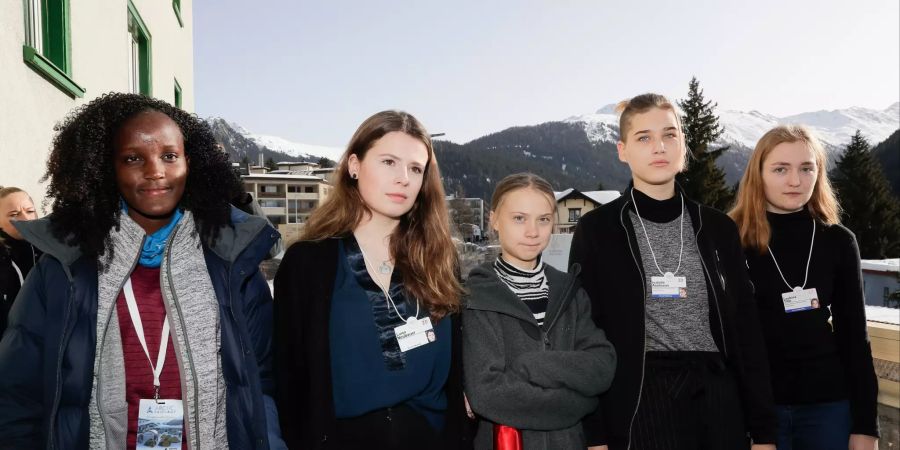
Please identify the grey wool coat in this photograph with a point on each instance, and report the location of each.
(540, 381)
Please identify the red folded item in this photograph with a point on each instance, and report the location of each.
(507, 438)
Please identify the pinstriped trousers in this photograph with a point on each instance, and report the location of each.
(689, 401)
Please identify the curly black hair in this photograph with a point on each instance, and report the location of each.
(86, 198)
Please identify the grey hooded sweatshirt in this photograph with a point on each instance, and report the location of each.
(540, 381)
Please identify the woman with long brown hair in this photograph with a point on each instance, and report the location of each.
(366, 348)
(806, 270)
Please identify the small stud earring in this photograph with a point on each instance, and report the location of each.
(354, 175)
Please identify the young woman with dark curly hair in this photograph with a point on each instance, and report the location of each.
(367, 354)
(148, 306)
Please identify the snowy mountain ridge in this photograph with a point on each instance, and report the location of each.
(279, 144)
(744, 128)
(295, 148)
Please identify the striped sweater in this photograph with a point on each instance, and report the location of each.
(529, 285)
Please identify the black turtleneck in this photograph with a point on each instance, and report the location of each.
(813, 360)
(25, 256)
(659, 211)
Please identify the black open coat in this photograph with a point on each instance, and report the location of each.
(303, 289)
(612, 274)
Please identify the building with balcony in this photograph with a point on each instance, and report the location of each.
(287, 199)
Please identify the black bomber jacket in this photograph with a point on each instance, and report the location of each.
(612, 273)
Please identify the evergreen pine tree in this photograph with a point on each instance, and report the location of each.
(869, 208)
(325, 162)
(703, 180)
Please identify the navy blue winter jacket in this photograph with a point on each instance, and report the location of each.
(47, 354)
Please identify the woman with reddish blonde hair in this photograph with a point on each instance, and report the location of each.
(806, 270)
(367, 352)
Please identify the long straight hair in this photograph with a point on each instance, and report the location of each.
(749, 212)
(423, 251)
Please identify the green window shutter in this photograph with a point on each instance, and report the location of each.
(176, 5)
(141, 57)
(177, 94)
(47, 49)
(55, 21)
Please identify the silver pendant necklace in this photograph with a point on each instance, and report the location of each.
(384, 268)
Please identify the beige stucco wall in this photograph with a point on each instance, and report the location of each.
(562, 209)
(100, 42)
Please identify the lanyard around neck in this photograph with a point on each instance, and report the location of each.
(386, 290)
(808, 260)
(139, 329)
(18, 272)
(647, 236)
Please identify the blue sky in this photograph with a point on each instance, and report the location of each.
(312, 71)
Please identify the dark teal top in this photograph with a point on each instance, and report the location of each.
(368, 370)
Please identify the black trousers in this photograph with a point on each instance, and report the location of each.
(689, 401)
(395, 428)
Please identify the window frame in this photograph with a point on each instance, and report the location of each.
(176, 6)
(574, 215)
(144, 41)
(53, 60)
(179, 94)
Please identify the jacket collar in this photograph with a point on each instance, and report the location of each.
(502, 300)
(243, 234)
(250, 234)
(693, 208)
(39, 234)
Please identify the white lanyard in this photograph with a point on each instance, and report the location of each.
(385, 290)
(808, 259)
(680, 226)
(139, 329)
(18, 272)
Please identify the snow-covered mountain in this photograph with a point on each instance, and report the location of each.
(742, 128)
(226, 130)
(294, 148)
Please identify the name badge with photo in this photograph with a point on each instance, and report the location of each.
(668, 286)
(800, 300)
(416, 333)
(160, 424)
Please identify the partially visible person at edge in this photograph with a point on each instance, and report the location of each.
(806, 270)
(148, 292)
(534, 360)
(17, 256)
(668, 284)
(367, 351)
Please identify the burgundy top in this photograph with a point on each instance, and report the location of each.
(138, 374)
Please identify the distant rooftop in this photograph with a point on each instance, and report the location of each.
(881, 265)
(599, 197)
(278, 175)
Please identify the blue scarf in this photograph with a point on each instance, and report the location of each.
(155, 244)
